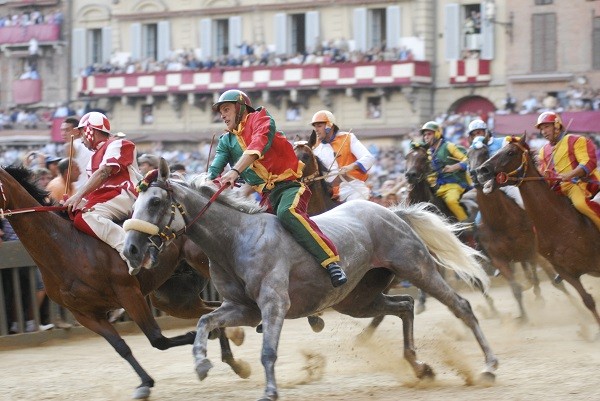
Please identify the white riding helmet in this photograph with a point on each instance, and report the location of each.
(475, 125)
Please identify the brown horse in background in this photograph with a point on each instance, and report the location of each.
(89, 278)
(506, 234)
(567, 238)
(418, 168)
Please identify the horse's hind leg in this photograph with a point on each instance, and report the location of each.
(110, 334)
(398, 305)
(438, 288)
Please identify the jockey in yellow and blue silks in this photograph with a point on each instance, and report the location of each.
(572, 159)
(265, 159)
(449, 164)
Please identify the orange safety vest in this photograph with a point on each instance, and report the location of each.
(341, 148)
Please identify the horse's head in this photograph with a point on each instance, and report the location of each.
(24, 178)
(507, 166)
(417, 163)
(156, 218)
(477, 154)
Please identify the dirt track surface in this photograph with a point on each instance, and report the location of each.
(549, 358)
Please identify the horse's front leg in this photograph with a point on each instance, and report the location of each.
(227, 315)
(274, 307)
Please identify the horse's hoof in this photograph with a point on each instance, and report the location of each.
(141, 393)
(242, 369)
(202, 368)
(235, 334)
(487, 378)
(425, 372)
(271, 397)
(316, 323)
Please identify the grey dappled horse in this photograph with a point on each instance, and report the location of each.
(263, 274)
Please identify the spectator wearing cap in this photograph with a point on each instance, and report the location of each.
(147, 162)
(52, 165)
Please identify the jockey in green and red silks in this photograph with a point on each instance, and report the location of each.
(262, 156)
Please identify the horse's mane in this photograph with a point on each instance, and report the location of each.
(24, 176)
(232, 198)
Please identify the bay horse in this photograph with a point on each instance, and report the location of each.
(90, 279)
(262, 273)
(418, 168)
(506, 233)
(566, 238)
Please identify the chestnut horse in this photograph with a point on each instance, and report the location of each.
(506, 233)
(567, 238)
(418, 168)
(89, 278)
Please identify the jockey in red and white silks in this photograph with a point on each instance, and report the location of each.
(109, 193)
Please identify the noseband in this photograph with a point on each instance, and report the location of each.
(157, 237)
(517, 174)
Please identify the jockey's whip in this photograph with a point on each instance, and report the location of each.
(212, 141)
(68, 180)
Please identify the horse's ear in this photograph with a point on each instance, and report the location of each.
(312, 140)
(524, 137)
(163, 169)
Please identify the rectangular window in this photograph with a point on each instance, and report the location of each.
(596, 43)
(298, 34)
(147, 114)
(292, 112)
(377, 28)
(221, 27)
(543, 51)
(150, 42)
(95, 46)
(374, 107)
(472, 39)
(543, 2)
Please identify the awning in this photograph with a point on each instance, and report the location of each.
(576, 121)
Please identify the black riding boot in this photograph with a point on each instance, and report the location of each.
(337, 275)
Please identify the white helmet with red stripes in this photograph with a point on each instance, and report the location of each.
(94, 120)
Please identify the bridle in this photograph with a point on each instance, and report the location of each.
(159, 237)
(312, 177)
(519, 173)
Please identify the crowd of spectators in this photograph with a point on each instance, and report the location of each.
(575, 98)
(34, 17)
(259, 54)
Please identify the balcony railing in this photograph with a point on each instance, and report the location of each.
(470, 71)
(310, 76)
(27, 91)
(10, 35)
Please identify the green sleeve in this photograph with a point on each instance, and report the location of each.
(221, 159)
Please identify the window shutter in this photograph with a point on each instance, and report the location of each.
(235, 35)
(206, 38)
(596, 44)
(136, 41)
(163, 48)
(312, 30)
(78, 52)
(543, 51)
(106, 43)
(452, 31)
(393, 27)
(281, 33)
(487, 37)
(360, 28)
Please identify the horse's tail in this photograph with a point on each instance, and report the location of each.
(438, 234)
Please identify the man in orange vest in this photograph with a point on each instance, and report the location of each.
(343, 154)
